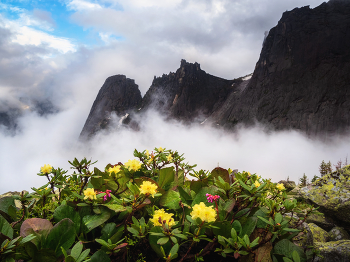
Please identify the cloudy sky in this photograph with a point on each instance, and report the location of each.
(62, 51)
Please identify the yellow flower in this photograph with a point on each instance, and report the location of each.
(257, 184)
(46, 169)
(248, 173)
(160, 149)
(148, 187)
(167, 217)
(280, 186)
(169, 158)
(205, 213)
(115, 169)
(133, 165)
(89, 193)
(147, 153)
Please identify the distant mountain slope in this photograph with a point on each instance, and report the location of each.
(301, 81)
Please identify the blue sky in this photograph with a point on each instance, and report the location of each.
(62, 52)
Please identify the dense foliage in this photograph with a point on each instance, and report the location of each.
(148, 210)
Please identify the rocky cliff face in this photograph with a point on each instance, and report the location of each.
(301, 82)
(189, 94)
(302, 79)
(118, 95)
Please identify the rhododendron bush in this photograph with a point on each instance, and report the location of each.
(152, 208)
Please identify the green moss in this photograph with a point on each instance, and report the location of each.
(318, 234)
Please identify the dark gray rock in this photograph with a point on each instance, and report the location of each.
(302, 79)
(189, 94)
(119, 95)
(338, 233)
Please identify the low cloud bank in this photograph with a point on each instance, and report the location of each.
(54, 140)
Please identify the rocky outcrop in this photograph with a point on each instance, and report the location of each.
(189, 94)
(331, 193)
(300, 82)
(329, 229)
(302, 79)
(118, 95)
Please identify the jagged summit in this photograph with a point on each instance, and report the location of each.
(119, 95)
(301, 81)
(188, 93)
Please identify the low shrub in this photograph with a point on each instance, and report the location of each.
(148, 209)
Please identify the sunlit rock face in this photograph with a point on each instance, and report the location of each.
(118, 95)
(302, 79)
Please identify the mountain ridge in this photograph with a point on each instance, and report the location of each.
(300, 81)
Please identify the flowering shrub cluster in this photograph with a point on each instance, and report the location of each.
(148, 209)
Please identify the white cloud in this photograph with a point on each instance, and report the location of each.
(53, 140)
(81, 5)
(29, 36)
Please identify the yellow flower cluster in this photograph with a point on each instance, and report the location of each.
(169, 158)
(256, 183)
(133, 165)
(160, 149)
(164, 216)
(148, 187)
(89, 193)
(46, 169)
(280, 186)
(115, 169)
(205, 213)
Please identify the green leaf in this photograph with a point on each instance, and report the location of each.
(163, 240)
(234, 234)
(6, 203)
(166, 176)
(65, 211)
(244, 185)
(295, 256)
(100, 256)
(243, 212)
(93, 221)
(69, 259)
(223, 228)
(83, 255)
(185, 197)
(197, 185)
(286, 248)
(249, 226)
(174, 251)
(133, 231)
(5, 227)
(115, 207)
(229, 205)
(265, 220)
(222, 173)
(278, 218)
(76, 250)
(246, 240)
(286, 259)
(170, 200)
(108, 231)
(62, 234)
(237, 226)
(260, 212)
